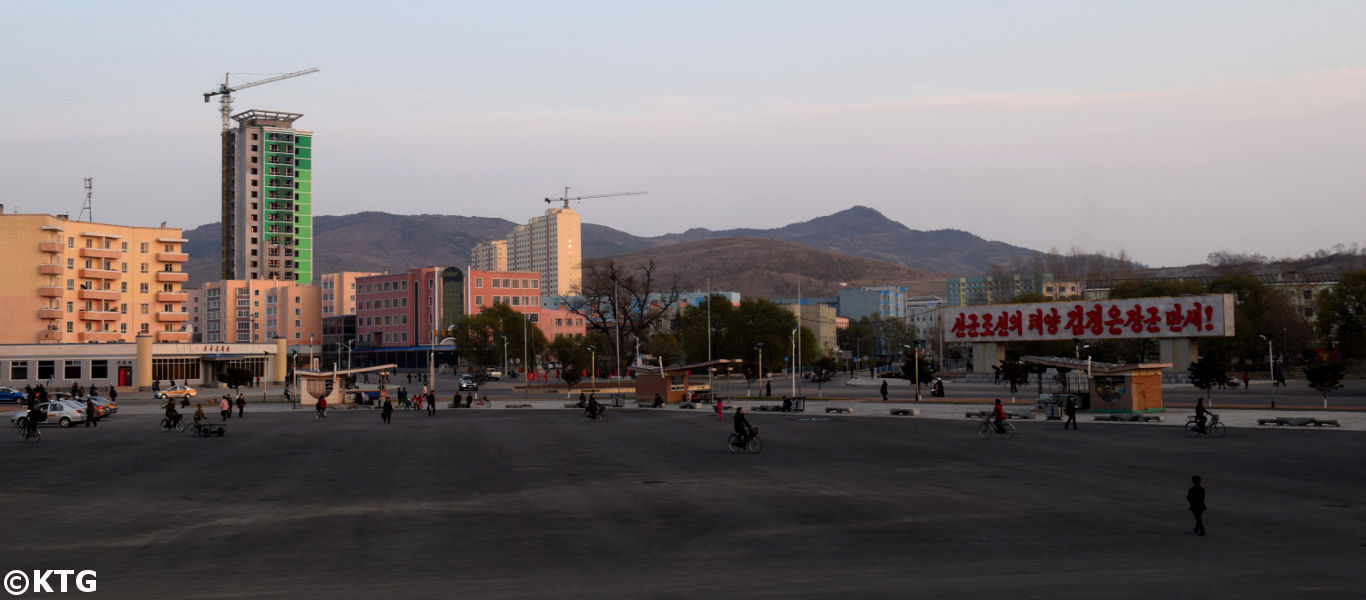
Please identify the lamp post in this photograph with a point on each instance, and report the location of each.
(593, 367)
(506, 370)
(760, 346)
(915, 352)
(265, 374)
(795, 366)
(1271, 362)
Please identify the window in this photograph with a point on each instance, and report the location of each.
(70, 307)
(71, 284)
(70, 327)
(478, 300)
(298, 323)
(71, 370)
(71, 242)
(479, 282)
(125, 248)
(142, 268)
(46, 368)
(18, 370)
(142, 288)
(497, 283)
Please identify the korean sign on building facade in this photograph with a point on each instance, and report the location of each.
(1170, 317)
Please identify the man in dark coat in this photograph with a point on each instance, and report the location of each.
(884, 390)
(1071, 411)
(1196, 498)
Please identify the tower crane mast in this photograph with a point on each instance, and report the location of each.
(566, 198)
(225, 90)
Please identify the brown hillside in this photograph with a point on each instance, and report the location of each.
(772, 269)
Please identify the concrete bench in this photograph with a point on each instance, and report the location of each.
(1276, 422)
(905, 412)
(837, 409)
(518, 406)
(647, 405)
(687, 405)
(1326, 422)
(1299, 422)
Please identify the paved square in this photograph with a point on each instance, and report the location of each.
(540, 504)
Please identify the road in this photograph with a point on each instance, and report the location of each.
(511, 503)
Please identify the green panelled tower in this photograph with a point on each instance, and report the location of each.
(268, 200)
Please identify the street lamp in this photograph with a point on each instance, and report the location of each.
(795, 366)
(760, 346)
(916, 353)
(505, 354)
(593, 367)
(1271, 362)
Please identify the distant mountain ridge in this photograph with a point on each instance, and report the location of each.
(377, 241)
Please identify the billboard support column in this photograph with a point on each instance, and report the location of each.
(986, 355)
(1180, 352)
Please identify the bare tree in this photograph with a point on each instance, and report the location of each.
(615, 298)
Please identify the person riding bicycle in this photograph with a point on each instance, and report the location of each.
(742, 427)
(592, 407)
(322, 407)
(998, 416)
(1200, 413)
(198, 416)
(172, 415)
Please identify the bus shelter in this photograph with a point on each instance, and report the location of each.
(674, 383)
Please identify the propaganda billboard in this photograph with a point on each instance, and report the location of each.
(1168, 317)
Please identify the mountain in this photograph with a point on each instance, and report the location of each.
(376, 241)
(858, 231)
(766, 268)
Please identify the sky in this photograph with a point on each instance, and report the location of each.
(1166, 130)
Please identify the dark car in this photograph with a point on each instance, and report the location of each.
(467, 384)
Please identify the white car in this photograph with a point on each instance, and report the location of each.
(493, 375)
(65, 414)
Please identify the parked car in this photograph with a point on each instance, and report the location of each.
(177, 391)
(65, 414)
(12, 395)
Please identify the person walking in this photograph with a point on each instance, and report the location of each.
(719, 409)
(225, 407)
(431, 404)
(1071, 411)
(241, 405)
(884, 390)
(768, 388)
(113, 393)
(1196, 498)
(388, 410)
(90, 412)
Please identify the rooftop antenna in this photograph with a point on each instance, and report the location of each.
(86, 210)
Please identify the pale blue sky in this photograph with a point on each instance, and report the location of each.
(1167, 129)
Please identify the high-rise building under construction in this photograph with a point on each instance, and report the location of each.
(268, 198)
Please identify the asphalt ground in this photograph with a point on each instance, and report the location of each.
(541, 504)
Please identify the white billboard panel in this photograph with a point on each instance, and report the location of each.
(1170, 317)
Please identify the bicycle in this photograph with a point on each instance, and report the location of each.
(167, 424)
(1213, 427)
(754, 444)
(601, 416)
(986, 430)
(27, 433)
(321, 415)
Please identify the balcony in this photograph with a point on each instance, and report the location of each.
(173, 336)
(99, 295)
(50, 247)
(50, 335)
(50, 269)
(172, 297)
(51, 292)
(100, 315)
(49, 313)
(172, 276)
(101, 336)
(178, 257)
(98, 273)
(100, 253)
(173, 317)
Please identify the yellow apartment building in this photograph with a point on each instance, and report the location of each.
(67, 282)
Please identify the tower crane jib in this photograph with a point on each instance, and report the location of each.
(566, 198)
(226, 89)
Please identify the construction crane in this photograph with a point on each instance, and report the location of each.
(225, 90)
(565, 198)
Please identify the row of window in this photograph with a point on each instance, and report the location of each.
(385, 303)
(533, 284)
(377, 321)
(509, 300)
(143, 248)
(72, 370)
